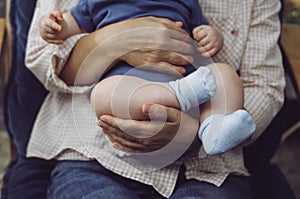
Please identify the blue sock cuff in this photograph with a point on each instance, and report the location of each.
(194, 89)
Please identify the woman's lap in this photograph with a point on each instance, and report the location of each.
(77, 179)
(234, 187)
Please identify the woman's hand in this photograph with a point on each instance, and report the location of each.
(157, 42)
(149, 136)
(167, 47)
(158, 60)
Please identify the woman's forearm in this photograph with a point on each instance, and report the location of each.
(97, 52)
(82, 67)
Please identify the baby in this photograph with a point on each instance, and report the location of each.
(216, 87)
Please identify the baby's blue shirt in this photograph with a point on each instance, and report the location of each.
(92, 15)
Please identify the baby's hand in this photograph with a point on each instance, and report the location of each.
(210, 40)
(51, 27)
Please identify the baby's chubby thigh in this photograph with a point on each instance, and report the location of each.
(120, 96)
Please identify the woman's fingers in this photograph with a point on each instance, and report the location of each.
(114, 134)
(158, 60)
(116, 126)
(174, 25)
(166, 123)
(175, 41)
(163, 67)
(159, 112)
(158, 33)
(179, 46)
(156, 56)
(162, 39)
(178, 59)
(55, 41)
(124, 145)
(127, 134)
(143, 136)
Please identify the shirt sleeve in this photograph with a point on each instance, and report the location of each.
(197, 17)
(46, 60)
(82, 15)
(261, 68)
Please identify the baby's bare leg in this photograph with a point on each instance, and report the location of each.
(224, 122)
(229, 96)
(123, 96)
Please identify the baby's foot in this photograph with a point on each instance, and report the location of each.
(220, 133)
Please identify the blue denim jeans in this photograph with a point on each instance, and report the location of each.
(89, 180)
(26, 178)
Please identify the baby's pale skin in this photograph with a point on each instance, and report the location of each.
(131, 93)
(123, 96)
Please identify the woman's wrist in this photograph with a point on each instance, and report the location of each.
(92, 56)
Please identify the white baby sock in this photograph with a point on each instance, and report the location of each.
(219, 132)
(194, 89)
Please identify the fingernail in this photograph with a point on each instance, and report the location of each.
(99, 123)
(103, 119)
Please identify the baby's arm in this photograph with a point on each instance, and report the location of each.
(209, 39)
(56, 26)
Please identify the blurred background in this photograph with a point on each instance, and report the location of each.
(4, 142)
(287, 156)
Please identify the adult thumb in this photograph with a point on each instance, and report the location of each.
(160, 112)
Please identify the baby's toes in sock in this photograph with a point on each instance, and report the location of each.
(227, 131)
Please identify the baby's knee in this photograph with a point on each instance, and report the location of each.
(228, 84)
(226, 74)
